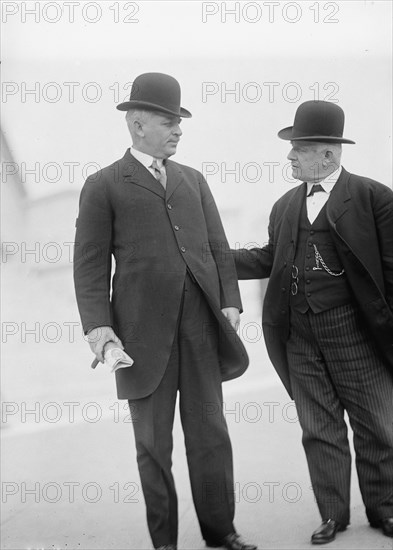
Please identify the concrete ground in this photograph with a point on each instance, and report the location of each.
(75, 485)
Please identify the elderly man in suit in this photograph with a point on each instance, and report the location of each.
(328, 316)
(174, 308)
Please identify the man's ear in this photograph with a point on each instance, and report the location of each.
(330, 159)
(138, 129)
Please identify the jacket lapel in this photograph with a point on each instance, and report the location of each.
(134, 172)
(338, 202)
(174, 177)
(293, 210)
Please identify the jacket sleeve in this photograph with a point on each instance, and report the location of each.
(256, 263)
(229, 288)
(383, 215)
(93, 255)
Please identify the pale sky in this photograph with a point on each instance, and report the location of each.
(67, 64)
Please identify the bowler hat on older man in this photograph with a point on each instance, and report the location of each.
(317, 121)
(155, 92)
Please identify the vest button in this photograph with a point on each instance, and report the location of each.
(308, 282)
(312, 232)
(307, 268)
(309, 244)
(308, 256)
(283, 289)
(308, 294)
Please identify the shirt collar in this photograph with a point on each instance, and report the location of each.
(144, 158)
(328, 183)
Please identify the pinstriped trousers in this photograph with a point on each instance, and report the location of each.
(334, 367)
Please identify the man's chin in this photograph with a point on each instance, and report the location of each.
(296, 174)
(171, 151)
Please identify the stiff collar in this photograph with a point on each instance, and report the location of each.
(145, 159)
(328, 183)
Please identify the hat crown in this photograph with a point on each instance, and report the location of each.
(317, 121)
(157, 92)
(156, 88)
(318, 118)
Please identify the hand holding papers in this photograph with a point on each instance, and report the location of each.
(115, 358)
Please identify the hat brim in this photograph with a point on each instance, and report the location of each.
(127, 105)
(286, 133)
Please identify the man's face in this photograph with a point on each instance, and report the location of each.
(307, 159)
(161, 134)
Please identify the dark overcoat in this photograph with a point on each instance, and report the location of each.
(360, 217)
(154, 236)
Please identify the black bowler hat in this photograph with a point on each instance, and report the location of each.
(155, 92)
(317, 121)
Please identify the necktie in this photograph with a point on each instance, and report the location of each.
(315, 189)
(159, 173)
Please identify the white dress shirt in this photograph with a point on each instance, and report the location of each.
(316, 202)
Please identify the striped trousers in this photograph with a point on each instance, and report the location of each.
(334, 367)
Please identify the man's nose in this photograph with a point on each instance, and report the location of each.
(177, 130)
(291, 155)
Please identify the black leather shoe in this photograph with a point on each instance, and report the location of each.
(233, 541)
(386, 525)
(326, 532)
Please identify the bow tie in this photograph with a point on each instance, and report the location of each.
(316, 188)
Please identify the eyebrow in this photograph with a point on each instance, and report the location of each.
(174, 119)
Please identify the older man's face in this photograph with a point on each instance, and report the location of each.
(306, 158)
(161, 134)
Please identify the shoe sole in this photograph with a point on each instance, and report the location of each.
(339, 530)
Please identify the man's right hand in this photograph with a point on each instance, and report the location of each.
(97, 339)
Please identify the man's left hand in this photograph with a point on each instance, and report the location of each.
(233, 316)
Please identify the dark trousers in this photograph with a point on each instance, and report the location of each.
(335, 367)
(193, 370)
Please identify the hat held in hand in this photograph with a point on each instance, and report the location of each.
(155, 92)
(317, 121)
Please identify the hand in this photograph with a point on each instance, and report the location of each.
(97, 339)
(233, 316)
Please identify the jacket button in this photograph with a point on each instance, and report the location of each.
(183, 249)
(309, 244)
(283, 289)
(308, 294)
(169, 206)
(176, 228)
(308, 256)
(308, 282)
(312, 232)
(307, 268)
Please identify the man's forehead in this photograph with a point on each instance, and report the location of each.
(309, 146)
(166, 116)
(304, 143)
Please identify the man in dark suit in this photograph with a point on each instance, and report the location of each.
(174, 308)
(328, 316)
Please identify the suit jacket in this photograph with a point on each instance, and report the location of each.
(360, 217)
(154, 236)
